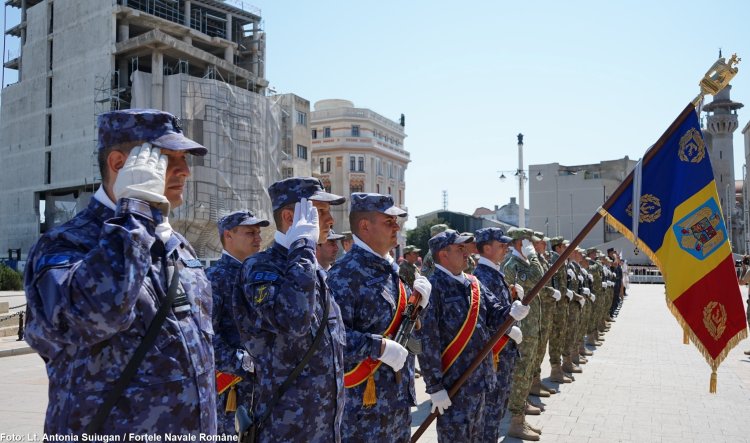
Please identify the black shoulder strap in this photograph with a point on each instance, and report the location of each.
(138, 355)
(300, 366)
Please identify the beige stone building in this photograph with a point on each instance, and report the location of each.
(356, 150)
(295, 136)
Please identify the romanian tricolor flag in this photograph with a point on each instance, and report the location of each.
(679, 225)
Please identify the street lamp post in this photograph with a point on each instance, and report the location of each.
(521, 177)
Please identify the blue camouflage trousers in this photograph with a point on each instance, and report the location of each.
(496, 399)
(463, 421)
(365, 425)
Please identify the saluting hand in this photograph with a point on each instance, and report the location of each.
(142, 177)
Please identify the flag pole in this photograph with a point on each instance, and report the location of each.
(506, 325)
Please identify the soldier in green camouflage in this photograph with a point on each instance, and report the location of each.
(575, 309)
(549, 297)
(523, 268)
(408, 269)
(580, 356)
(428, 264)
(597, 295)
(560, 316)
(471, 261)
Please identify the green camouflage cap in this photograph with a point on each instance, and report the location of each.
(517, 233)
(554, 241)
(437, 229)
(411, 248)
(540, 236)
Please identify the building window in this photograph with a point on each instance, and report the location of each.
(287, 173)
(301, 118)
(390, 171)
(322, 165)
(47, 167)
(377, 188)
(389, 190)
(326, 132)
(352, 163)
(328, 164)
(379, 166)
(400, 197)
(302, 152)
(49, 92)
(50, 46)
(357, 187)
(355, 130)
(48, 129)
(361, 164)
(314, 134)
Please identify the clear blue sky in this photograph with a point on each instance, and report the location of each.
(584, 81)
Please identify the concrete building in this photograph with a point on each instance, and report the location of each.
(507, 213)
(745, 201)
(459, 221)
(566, 198)
(357, 150)
(295, 136)
(202, 60)
(720, 124)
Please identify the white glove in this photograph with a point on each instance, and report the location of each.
(423, 286)
(571, 274)
(556, 295)
(591, 277)
(527, 248)
(582, 301)
(519, 290)
(440, 401)
(580, 278)
(304, 223)
(142, 177)
(518, 311)
(515, 334)
(394, 355)
(569, 294)
(593, 297)
(164, 230)
(586, 291)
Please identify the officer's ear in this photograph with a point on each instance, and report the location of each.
(116, 160)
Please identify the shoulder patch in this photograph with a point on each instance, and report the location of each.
(52, 260)
(192, 263)
(376, 280)
(262, 292)
(261, 276)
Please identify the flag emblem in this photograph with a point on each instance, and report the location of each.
(650, 208)
(692, 148)
(715, 319)
(702, 231)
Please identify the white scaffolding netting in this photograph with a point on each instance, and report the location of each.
(241, 131)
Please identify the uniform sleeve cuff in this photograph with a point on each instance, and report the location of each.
(301, 243)
(140, 208)
(376, 342)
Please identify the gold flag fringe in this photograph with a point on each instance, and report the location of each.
(685, 336)
(688, 333)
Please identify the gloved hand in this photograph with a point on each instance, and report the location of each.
(582, 301)
(591, 278)
(394, 355)
(423, 286)
(440, 401)
(569, 294)
(519, 290)
(515, 334)
(586, 291)
(571, 274)
(527, 248)
(164, 230)
(556, 294)
(593, 297)
(142, 177)
(580, 278)
(518, 311)
(304, 223)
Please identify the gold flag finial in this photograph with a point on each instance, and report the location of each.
(718, 77)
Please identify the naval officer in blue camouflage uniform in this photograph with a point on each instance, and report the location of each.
(94, 285)
(492, 245)
(279, 305)
(453, 298)
(367, 287)
(239, 233)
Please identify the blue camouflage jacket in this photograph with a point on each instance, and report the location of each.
(223, 276)
(93, 286)
(495, 282)
(366, 288)
(449, 304)
(278, 307)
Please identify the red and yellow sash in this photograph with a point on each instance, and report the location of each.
(368, 366)
(224, 381)
(459, 342)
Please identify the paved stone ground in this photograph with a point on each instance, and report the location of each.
(643, 385)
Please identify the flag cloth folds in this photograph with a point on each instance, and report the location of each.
(681, 228)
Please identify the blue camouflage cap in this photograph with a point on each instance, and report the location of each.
(159, 128)
(292, 190)
(446, 238)
(489, 234)
(239, 218)
(370, 202)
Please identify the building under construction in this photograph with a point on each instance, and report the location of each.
(202, 60)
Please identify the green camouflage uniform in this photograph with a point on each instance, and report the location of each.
(560, 317)
(526, 275)
(574, 311)
(549, 307)
(408, 272)
(596, 271)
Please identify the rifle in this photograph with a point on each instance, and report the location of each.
(406, 328)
